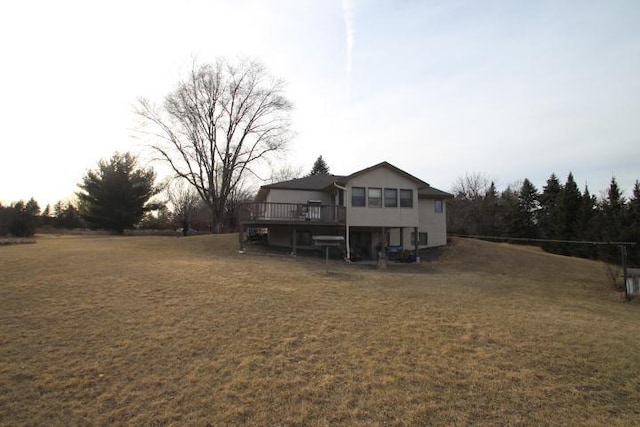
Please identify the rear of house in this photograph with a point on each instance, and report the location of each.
(380, 211)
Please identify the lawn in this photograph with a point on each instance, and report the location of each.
(186, 331)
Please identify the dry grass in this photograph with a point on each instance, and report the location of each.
(185, 331)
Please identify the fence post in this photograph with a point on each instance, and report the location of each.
(623, 251)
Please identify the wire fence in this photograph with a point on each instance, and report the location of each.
(598, 254)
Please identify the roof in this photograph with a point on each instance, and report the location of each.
(388, 165)
(321, 182)
(311, 183)
(432, 192)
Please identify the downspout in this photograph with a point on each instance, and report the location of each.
(346, 219)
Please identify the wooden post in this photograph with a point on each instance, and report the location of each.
(623, 251)
(416, 242)
(294, 251)
(382, 260)
(241, 238)
(326, 259)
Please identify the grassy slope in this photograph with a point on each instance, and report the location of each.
(162, 331)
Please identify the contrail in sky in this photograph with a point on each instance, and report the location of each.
(347, 7)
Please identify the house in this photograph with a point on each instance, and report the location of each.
(378, 210)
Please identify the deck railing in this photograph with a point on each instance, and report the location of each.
(294, 212)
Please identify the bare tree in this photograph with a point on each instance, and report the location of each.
(240, 194)
(285, 173)
(471, 186)
(220, 121)
(465, 211)
(184, 199)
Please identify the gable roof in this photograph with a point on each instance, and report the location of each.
(310, 183)
(387, 165)
(321, 182)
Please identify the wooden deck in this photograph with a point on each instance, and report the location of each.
(263, 213)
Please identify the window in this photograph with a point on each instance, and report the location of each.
(422, 238)
(406, 198)
(375, 197)
(390, 197)
(357, 196)
(437, 206)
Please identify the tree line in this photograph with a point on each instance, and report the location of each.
(119, 195)
(561, 211)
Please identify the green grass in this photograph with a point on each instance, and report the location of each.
(186, 331)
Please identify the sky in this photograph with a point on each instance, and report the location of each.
(508, 89)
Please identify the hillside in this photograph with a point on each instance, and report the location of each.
(186, 331)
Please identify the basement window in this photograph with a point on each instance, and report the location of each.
(423, 238)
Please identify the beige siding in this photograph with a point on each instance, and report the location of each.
(433, 223)
(378, 217)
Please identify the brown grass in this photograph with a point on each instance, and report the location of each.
(186, 331)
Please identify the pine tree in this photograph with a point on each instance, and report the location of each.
(490, 213)
(632, 230)
(570, 202)
(115, 195)
(613, 208)
(611, 219)
(320, 167)
(549, 215)
(66, 216)
(586, 224)
(525, 217)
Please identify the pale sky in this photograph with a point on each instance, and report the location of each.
(511, 89)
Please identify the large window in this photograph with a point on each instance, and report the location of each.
(374, 197)
(390, 197)
(357, 196)
(437, 206)
(406, 198)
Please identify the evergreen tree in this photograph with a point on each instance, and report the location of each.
(115, 196)
(320, 167)
(586, 224)
(632, 230)
(66, 216)
(19, 218)
(46, 215)
(570, 202)
(491, 218)
(611, 220)
(524, 221)
(613, 210)
(549, 215)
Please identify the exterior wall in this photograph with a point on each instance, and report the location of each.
(433, 223)
(277, 195)
(377, 217)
